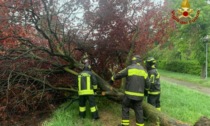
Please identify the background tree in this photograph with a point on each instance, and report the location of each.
(187, 41)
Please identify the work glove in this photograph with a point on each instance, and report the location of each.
(103, 93)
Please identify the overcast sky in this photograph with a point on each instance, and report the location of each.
(158, 1)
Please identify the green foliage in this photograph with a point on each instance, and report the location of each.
(189, 67)
(163, 53)
(186, 41)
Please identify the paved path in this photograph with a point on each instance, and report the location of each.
(190, 85)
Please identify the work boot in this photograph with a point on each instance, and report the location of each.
(96, 118)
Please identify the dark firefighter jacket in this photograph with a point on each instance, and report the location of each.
(136, 81)
(154, 77)
(86, 83)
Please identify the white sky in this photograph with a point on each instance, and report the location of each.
(158, 1)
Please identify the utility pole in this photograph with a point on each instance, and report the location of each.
(206, 59)
(206, 40)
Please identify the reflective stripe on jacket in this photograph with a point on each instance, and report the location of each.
(154, 78)
(86, 83)
(136, 81)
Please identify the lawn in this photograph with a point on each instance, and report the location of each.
(186, 77)
(184, 104)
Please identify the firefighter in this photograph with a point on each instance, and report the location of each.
(87, 85)
(154, 77)
(136, 82)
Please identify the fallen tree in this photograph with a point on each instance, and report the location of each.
(151, 113)
(154, 116)
(203, 121)
(43, 44)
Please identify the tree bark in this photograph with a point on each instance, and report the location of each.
(203, 121)
(152, 114)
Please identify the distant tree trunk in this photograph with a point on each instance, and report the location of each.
(203, 71)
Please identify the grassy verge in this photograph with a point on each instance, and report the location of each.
(186, 77)
(109, 112)
(176, 101)
(184, 104)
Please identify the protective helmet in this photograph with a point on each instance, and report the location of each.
(87, 67)
(136, 59)
(151, 61)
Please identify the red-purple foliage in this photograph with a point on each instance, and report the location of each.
(114, 25)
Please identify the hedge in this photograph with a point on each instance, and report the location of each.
(189, 67)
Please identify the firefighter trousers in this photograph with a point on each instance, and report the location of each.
(136, 106)
(154, 100)
(92, 103)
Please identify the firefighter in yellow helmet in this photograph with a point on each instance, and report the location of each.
(154, 91)
(136, 82)
(87, 84)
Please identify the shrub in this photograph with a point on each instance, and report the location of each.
(189, 67)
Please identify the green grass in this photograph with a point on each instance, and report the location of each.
(186, 77)
(184, 104)
(70, 117)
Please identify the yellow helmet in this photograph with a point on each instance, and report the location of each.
(136, 58)
(151, 60)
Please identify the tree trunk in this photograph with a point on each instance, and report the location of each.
(152, 114)
(130, 54)
(203, 121)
